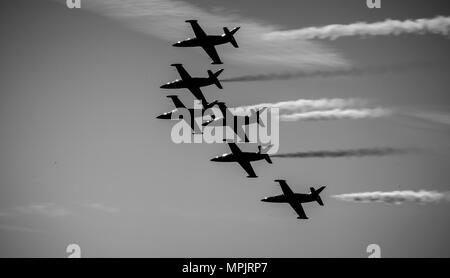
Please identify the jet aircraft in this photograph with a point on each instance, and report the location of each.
(236, 122)
(295, 199)
(179, 105)
(244, 158)
(193, 84)
(208, 42)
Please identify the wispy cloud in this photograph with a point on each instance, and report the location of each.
(165, 19)
(396, 197)
(21, 229)
(439, 25)
(39, 211)
(10, 217)
(50, 210)
(101, 207)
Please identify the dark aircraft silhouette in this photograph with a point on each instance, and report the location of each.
(295, 199)
(208, 42)
(179, 105)
(193, 84)
(244, 158)
(233, 121)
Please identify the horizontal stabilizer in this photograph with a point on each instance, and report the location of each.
(214, 79)
(319, 200)
(229, 34)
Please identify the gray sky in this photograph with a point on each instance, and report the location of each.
(85, 161)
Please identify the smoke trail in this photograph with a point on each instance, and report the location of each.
(438, 117)
(351, 71)
(337, 114)
(396, 197)
(304, 105)
(439, 25)
(345, 153)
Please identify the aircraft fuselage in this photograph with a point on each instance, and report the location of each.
(231, 157)
(297, 197)
(210, 40)
(192, 82)
(192, 111)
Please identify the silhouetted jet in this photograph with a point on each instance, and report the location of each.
(208, 42)
(295, 199)
(179, 105)
(193, 84)
(236, 122)
(244, 158)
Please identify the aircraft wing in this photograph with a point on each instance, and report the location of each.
(248, 168)
(182, 72)
(198, 95)
(297, 206)
(212, 52)
(234, 148)
(285, 187)
(198, 31)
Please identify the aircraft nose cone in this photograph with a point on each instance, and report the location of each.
(164, 86)
(176, 44)
(264, 200)
(213, 159)
(164, 116)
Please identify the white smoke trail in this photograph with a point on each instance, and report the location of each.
(396, 197)
(337, 114)
(439, 25)
(304, 105)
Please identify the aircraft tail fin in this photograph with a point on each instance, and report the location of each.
(316, 193)
(176, 101)
(266, 157)
(319, 200)
(213, 77)
(229, 34)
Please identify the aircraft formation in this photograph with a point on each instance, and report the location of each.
(194, 84)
